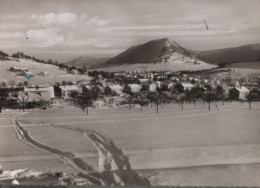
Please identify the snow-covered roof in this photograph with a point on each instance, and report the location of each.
(187, 85)
(242, 89)
(116, 86)
(48, 89)
(19, 68)
(143, 80)
(27, 72)
(68, 87)
(134, 85)
(88, 87)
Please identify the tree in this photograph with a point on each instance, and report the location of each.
(26, 83)
(57, 91)
(4, 84)
(20, 84)
(142, 100)
(220, 93)
(195, 94)
(50, 62)
(209, 97)
(179, 88)
(12, 83)
(23, 98)
(129, 99)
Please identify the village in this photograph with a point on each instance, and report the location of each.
(130, 89)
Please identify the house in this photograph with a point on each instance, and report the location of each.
(175, 79)
(87, 89)
(187, 86)
(167, 85)
(239, 93)
(44, 94)
(113, 89)
(149, 87)
(74, 71)
(27, 74)
(17, 69)
(67, 90)
(143, 80)
(41, 89)
(132, 88)
(42, 73)
(158, 84)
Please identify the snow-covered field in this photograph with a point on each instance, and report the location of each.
(55, 74)
(175, 147)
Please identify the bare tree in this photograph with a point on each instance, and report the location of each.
(249, 99)
(23, 98)
(11, 83)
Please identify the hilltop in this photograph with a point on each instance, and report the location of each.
(160, 54)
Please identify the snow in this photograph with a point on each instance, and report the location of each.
(175, 62)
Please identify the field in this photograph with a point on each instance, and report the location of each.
(192, 146)
(247, 65)
(55, 74)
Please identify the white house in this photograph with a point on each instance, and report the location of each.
(150, 87)
(45, 93)
(132, 88)
(143, 80)
(187, 86)
(158, 84)
(243, 92)
(110, 89)
(74, 71)
(17, 69)
(67, 90)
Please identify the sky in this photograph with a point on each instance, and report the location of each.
(65, 29)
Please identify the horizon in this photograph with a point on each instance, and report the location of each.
(63, 32)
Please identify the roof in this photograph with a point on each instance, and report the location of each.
(27, 72)
(242, 89)
(34, 96)
(48, 89)
(134, 85)
(187, 85)
(116, 86)
(68, 87)
(143, 80)
(88, 87)
(19, 68)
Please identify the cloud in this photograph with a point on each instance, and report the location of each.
(67, 19)
(95, 21)
(10, 35)
(56, 19)
(44, 37)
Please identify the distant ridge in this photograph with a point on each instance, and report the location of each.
(246, 53)
(88, 62)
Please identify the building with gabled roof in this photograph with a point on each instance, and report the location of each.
(132, 88)
(67, 90)
(113, 89)
(239, 92)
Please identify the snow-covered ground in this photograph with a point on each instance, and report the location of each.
(170, 62)
(55, 74)
(167, 148)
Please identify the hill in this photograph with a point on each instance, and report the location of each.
(241, 54)
(161, 54)
(88, 62)
(54, 73)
